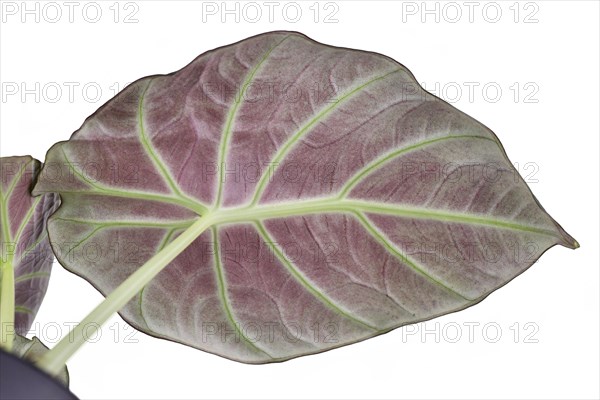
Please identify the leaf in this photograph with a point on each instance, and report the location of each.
(345, 200)
(32, 350)
(25, 252)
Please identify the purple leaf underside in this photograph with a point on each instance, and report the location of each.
(23, 236)
(352, 201)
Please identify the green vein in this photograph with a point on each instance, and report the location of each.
(32, 275)
(32, 246)
(39, 240)
(222, 292)
(441, 216)
(377, 163)
(100, 226)
(231, 117)
(196, 207)
(149, 224)
(4, 201)
(162, 245)
(8, 307)
(284, 150)
(85, 239)
(5, 229)
(304, 281)
(192, 205)
(156, 160)
(334, 205)
(403, 258)
(23, 310)
(16, 179)
(167, 238)
(27, 219)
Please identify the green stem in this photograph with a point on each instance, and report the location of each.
(7, 306)
(53, 361)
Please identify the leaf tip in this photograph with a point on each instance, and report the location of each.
(570, 242)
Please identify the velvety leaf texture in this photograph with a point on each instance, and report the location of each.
(23, 236)
(349, 200)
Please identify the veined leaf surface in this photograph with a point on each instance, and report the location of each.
(26, 256)
(345, 200)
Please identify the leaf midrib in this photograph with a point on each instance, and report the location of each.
(335, 205)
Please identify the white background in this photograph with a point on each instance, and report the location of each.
(559, 295)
